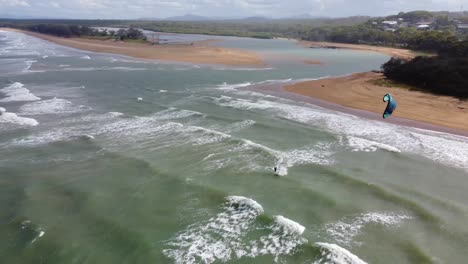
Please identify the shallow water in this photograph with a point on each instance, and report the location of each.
(107, 159)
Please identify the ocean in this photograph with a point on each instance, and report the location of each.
(109, 159)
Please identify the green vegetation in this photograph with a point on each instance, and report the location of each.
(128, 34)
(444, 74)
(72, 30)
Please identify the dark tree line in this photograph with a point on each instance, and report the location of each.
(63, 30)
(446, 74)
(72, 30)
(131, 33)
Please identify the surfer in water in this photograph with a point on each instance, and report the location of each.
(276, 169)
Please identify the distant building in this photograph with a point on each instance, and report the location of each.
(462, 27)
(423, 27)
(424, 23)
(390, 23)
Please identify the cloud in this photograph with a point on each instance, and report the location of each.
(127, 9)
(14, 3)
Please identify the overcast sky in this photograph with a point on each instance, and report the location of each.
(108, 9)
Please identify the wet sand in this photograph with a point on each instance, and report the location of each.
(199, 52)
(357, 95)
(394, 52)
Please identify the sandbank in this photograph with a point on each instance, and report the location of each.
(199, 52)
(394, 52)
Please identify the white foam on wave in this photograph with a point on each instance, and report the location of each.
(217, 239)
(226, 86)
(16, 92)
(366, 135)
(174, 113)
(319, 154)
(29, 64)
(163, 91)
(125, 132)
(334, 254)
(116, 114)
(239, 125)
(208, 136)
(344, 231)
(32, 229)
(227, 236)
(290, 225)
(86, 57)
(360, 144)
(244, 104)
(51, 106)
(12, 118)
(252, 156)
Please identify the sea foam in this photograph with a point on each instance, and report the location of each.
(16, 92)
(334, 254)
(12, 118)
(344, 230)
(51, 106)
(228, 235)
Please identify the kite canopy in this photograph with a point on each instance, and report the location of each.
(391, 106)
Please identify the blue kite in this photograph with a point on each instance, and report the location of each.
(391, 106)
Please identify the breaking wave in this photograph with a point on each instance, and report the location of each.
(334, 254)
(12, 118)
(231, 234)
(16, 92)
(344, 231)
(51, 106)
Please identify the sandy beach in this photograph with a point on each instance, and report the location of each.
(394, 52)
(358, 92)
(199, 52)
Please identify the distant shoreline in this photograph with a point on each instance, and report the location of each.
(393, 52)
(199, 52)
(356, 94)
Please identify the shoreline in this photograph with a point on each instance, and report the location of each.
(200, 52)
(354, 94)
(405, 54)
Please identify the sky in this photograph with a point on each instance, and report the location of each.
(132, 9)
